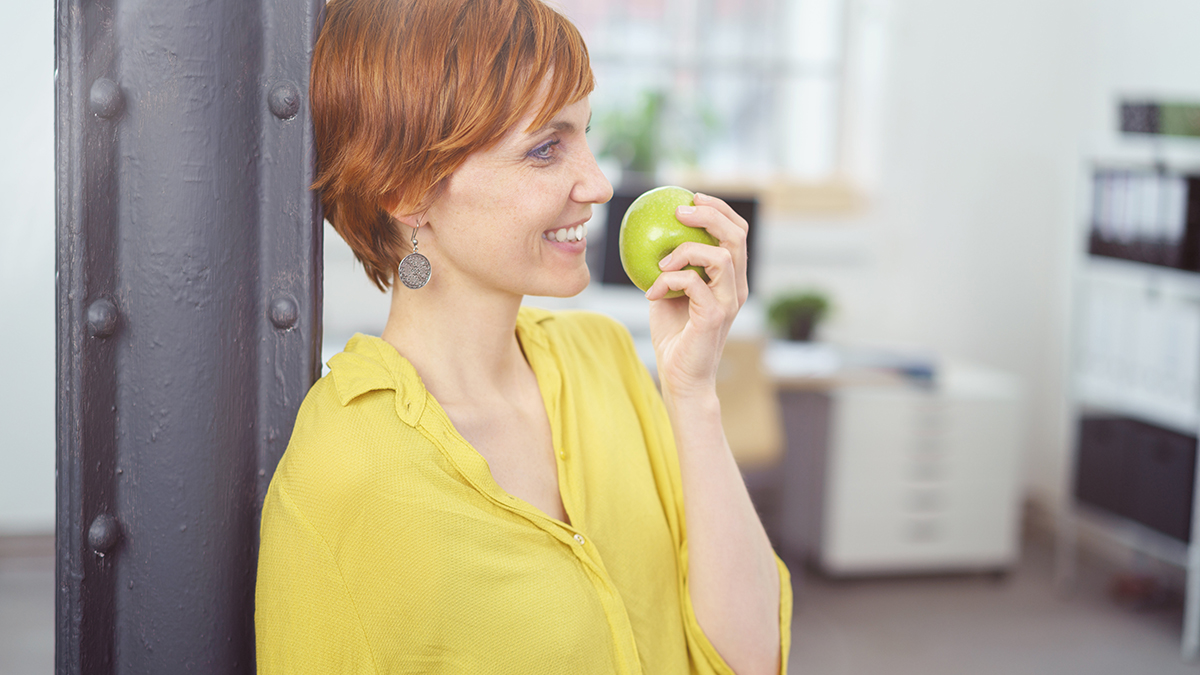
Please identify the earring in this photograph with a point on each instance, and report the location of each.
(415, 269)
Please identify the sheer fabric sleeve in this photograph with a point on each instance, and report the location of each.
(304, 619)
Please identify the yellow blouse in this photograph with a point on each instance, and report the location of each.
(387, 547)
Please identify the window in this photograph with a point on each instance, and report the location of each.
(738, 89)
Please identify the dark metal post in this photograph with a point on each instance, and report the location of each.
(189, 305)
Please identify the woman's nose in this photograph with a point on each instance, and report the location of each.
(593, 186)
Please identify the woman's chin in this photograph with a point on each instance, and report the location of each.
(567, 286)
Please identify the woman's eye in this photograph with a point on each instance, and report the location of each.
(544, 151)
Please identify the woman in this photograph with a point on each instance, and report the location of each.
(488, 488)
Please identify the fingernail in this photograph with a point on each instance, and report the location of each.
(686, 210)
(700, 195)
(662, 264)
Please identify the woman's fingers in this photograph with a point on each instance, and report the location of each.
(730, 230)
(725, 209)
(713, 215)
(704, 309)
(718, 264)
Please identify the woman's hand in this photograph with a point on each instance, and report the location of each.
(689, 332)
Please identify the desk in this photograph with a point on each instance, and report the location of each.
(883, 476)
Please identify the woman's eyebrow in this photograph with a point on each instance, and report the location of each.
(562, 126)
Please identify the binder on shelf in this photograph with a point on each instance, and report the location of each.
(1138, 353)
(1137, 471)
(1146, 215)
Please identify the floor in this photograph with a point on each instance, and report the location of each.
(950, 625)
(26, 606)
(987, 625)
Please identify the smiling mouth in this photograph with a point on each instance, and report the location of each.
(577, 233)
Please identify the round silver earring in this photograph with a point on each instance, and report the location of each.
(415, 269)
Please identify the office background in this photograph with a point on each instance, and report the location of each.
(965, 134)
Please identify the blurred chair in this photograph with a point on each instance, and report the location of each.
(749, 406)
(753, 425)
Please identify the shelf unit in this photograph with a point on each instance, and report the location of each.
(1135, 375)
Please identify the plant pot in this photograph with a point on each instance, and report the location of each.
(800, 328)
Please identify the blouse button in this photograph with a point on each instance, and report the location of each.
(579, 538)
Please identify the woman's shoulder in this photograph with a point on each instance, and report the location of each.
(368, 384)
(363, 410)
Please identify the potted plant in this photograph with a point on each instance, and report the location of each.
(633, 137)
(794, 315)
(656, 128)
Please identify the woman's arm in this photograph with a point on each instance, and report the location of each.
(733, 580)
(304, 620)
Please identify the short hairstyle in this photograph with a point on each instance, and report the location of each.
(403, 91)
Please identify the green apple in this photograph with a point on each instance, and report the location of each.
(650, 231)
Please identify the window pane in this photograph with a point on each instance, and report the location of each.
(749, 87)
(809, 126)
(816, 30)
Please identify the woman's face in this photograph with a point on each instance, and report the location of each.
(496, 225)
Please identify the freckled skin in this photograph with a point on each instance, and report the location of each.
(485, 231)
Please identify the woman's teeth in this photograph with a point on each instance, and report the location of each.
(577, 233)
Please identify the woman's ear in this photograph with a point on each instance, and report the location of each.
(412, 220)
(409, 225)
(406, 223)
(399, 212)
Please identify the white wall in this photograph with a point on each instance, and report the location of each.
(352, 302)
(27, 347)
(964, 245)
(979, 139)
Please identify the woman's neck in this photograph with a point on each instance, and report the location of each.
(463, 345)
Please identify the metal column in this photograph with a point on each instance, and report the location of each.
(189, 311)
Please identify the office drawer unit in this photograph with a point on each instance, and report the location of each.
(922, 479)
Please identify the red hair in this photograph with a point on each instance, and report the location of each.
(402, 91)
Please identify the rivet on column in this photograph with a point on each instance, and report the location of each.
(106, 99)
(102, 318)
(284, 312)
(104, 534)
(284, 100)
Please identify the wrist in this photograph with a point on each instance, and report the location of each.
(698, 398)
